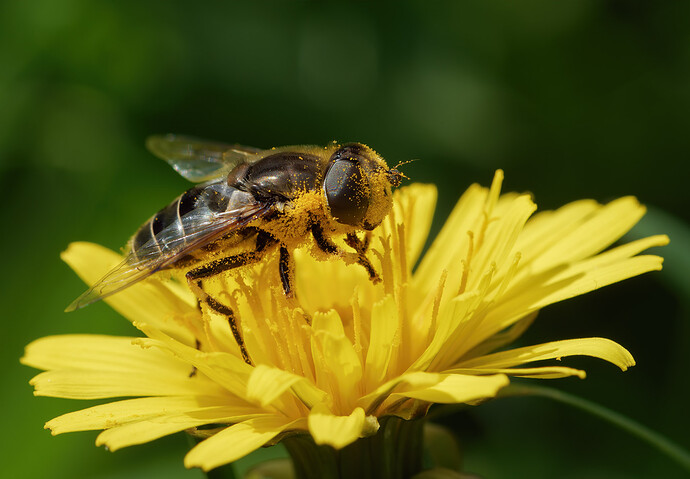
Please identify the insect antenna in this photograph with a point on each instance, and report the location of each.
(396, 176)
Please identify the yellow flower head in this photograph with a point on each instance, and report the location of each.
(345, 352)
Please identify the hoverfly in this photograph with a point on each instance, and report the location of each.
(266, 199)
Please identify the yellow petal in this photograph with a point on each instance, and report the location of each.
(435, 387)
(266, 384)
(98, 385)
(116, 413)
(339, 368)
(141, 432)
(547, 228)
(451, 241)
(345, 367)
(455, 388)
(91, 352)
(92, 366)
(226, 369)
(612, 257)
(329, 322)
(384, 326)
(336, 431)
(596, 232)
(235, 442)
(464, 323)
(557, 286)
(413, 206)
(308, 393)
(500, 238)
(336, 291)
(149, 300)
(596, 347)
(451, 315)
(547, 372)
(505, 337)
(412, 380)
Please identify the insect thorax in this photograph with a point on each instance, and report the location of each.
(292, 225)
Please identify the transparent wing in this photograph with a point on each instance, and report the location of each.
(171, 245)
(200, 160)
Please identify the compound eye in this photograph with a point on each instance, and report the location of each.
(346, 191)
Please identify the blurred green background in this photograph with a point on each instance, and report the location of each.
(573, 99)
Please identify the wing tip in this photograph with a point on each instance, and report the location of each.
(85, 299)
(73, 306)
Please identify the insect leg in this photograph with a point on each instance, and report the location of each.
(327, 246)
(361, 246)
(263, 242)
(353, 241)
(286, 269)
(197, 288)
(196, 275)
(322, 241)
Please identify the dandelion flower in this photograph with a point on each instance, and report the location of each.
(333, 363)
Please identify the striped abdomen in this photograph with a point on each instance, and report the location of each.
(189, 220)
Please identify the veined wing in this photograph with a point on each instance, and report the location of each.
(200, 160)
(199, 228)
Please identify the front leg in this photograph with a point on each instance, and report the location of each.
(325, 244)
(322, 241)
(361, 246)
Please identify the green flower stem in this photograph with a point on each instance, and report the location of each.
(395, 451)
(663, 444)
